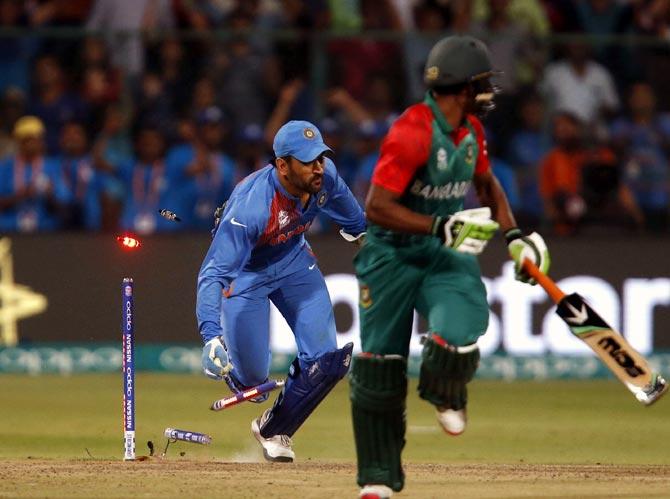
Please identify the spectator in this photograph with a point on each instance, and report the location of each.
(562, 16)
(461, 16)
(15, 51)
(431, 21)
(510, 44)
(153, 104)
(251, 153)
(112, 146)
(642, 139)
(175, 69)
(53, 102)
(86, 185)
(580, 85)
(530, 14)
(340, 100)
(240, 70)
(355, 60)
(111, 150)
(12, 107)
(206, 173)
(609, 17)
(342, 154)
(527, 146)
(580, 185)
(149, 185)
(204, 96)
(517, 56)
(201, 15)
(368, 139)
(303, 17)
(32, 194)
(284, 109)
(116, 18)
(100, 83)
(504, 172)
(652, 19)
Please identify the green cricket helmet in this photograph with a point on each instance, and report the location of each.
(462, 59)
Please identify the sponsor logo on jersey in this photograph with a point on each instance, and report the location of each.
(441, 158)
(321, 200)
(469, 154)
(282, 238)
(365, 298)
(451, 190)
(283, 218)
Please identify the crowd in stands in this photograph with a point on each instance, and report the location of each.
(111, 110)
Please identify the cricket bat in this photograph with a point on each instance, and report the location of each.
(631, 368)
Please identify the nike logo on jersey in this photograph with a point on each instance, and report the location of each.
(235, 222)
(283, 219)
(312, 266)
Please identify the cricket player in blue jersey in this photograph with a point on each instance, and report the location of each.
(259, 254)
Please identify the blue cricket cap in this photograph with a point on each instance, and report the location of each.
(300, 139)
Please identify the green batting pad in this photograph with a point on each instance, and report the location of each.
(445, 372)
(378, 393)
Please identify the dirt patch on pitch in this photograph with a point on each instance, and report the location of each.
(191, 478)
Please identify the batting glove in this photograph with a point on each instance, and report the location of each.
(532, 247)
(467, 231)
(215, 361)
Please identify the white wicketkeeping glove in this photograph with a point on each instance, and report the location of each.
(215, 361)
(532, 247)
(467, 231)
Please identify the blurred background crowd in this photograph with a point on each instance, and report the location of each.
(113, 109)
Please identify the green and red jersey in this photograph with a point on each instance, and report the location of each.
(429, 164)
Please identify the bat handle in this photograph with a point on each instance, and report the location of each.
(544, 280)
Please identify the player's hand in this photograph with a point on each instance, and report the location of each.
(467, 231)
(215, 361)
(532, 247)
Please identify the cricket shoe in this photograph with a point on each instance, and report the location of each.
(278, 448)
(375, 492)
(453, 422)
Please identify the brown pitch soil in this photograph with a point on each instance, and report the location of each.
(179, 477)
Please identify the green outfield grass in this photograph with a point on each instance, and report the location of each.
(567, 422)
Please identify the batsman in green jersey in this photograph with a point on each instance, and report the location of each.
(421, 253)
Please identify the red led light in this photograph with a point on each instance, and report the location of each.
(129, 242)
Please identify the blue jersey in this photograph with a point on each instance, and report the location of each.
(33, 213)
(263, 226)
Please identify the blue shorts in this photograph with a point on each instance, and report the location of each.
(297, 288)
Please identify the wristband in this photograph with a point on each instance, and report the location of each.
(437, 228)
(513, 234)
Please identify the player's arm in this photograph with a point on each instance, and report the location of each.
(404, 150)
(490, 193)
(382, 208)
(229, 251)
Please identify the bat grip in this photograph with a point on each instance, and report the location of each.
(545, 281)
